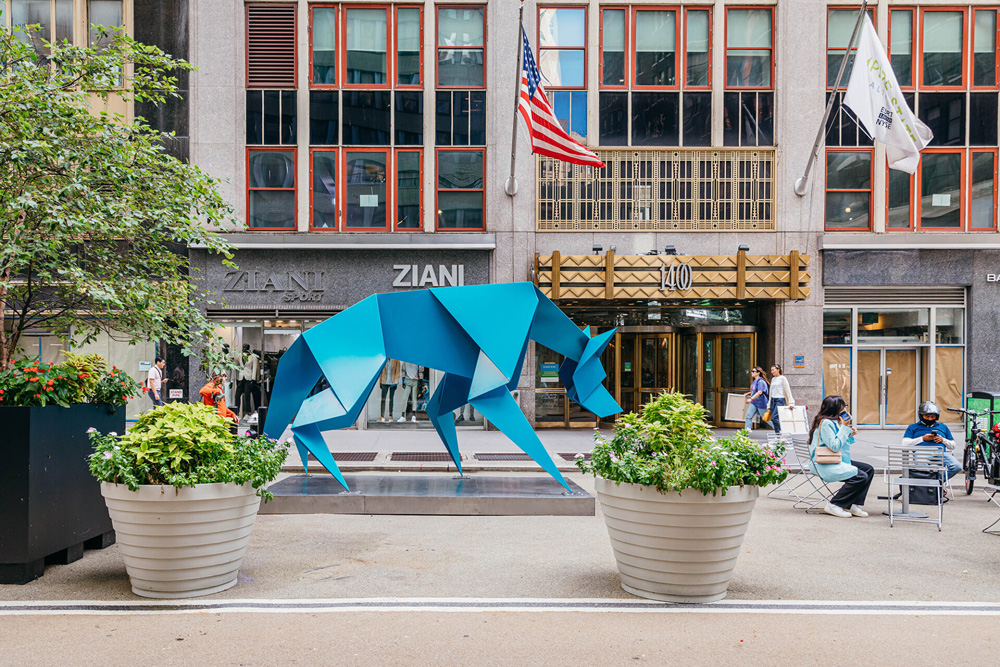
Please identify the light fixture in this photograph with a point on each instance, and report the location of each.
(598, 248)
(613, 247)
(669, 250)
(653, 252)
(744, 248)
(847, 210)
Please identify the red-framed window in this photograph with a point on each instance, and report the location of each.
(985, 59)
(749, 48)
(461, 46)
(954, 189)
(940, 200)
(324, 168)
(943, 48)
(271, 200)
(901, 46)
(407, 192)
(562, 62)
(655, 76)
(460, 198)
(366, 183)
(366, 46)
(983, 189)
(849, 176)
(840, 22)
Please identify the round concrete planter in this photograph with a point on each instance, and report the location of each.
(182, 543)
(677, 547)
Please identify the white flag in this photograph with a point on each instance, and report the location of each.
(875, 98)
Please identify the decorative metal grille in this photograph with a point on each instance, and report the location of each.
(659, 190)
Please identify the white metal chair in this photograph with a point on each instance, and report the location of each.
(785, 490)
(817, 491)
(918, 458)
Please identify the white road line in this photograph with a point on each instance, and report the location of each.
(487, 605)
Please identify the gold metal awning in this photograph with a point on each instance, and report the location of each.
(673, 277)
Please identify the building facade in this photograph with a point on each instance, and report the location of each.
(366, 146)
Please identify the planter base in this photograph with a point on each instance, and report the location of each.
(663, 597)
(160, 595)
(23, 573)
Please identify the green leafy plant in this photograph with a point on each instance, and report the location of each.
(114, 387)
(669, 446)
(88, 370)
(182, 444)
(36, 383)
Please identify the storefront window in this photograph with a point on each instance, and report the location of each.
(897, 326)
(836, 326)
(949, 326)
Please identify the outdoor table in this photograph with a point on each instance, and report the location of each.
(906, 513)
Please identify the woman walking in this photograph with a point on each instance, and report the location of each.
(781, 394)
(756, 397)
(831, 428)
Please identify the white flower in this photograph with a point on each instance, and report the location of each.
(578, 456)
(115, 433)
(91, 429)
(107, 455)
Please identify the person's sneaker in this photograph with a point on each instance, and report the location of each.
(401, 419)
(857, 511)
(381, 419)
(460, 418)
(836, 511)
(413, 418)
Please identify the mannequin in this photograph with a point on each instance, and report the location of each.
(411, 381)
(388, 381)
(244, 384)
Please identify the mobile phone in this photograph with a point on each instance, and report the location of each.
(846, 416)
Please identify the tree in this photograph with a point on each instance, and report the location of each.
(95, 216)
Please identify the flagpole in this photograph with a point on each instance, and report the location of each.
(510, 187)
(802, 182)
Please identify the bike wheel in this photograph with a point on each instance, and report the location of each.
(969, 466)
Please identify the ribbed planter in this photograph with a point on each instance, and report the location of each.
(182, 543)
(677, 547)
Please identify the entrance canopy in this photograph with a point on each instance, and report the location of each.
(673, 277)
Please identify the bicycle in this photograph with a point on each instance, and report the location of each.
(980, 451)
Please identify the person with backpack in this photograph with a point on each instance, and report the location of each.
(757, 398)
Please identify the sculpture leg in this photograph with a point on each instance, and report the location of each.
(500, 408)
(452, 392)
(310, 437)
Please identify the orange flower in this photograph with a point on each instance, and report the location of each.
(34, 379)
(50, 382)
(82, 375)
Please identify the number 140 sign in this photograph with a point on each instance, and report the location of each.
(675, 277)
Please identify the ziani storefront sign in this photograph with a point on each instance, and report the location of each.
(411, 275)
(296, 285)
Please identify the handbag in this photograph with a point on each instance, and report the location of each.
(826, 456)
(767, 415)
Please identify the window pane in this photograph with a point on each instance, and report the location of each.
(983, 119)
(731, 119)
(460, 119)
(848, 170)
(272, 169)
(460, 210)
(837, 372)
(459, 27)
(477, 118)
(983, 187)
(748, 68)
(324, 39)
(984, 64)
(942, 41)
(561, 67)
(899, 199)
(64, 19)
(940, 190)
(272, 117)
(255, 117)
(408, 190)
(408, 46)
(570, 108)
(31, 12)
(288, 117)
(950, 326)
(365, 49)
(944, 113)
(324, 198)
(655, 120)
(697, 119)
(836, 326)
(901, 46)
(613, 119)
(655, 48)
(748, 28)
(613, 47)
(365, 189)
(323, 120)
(366, 117)
(273, 209)
(847, 210)
(697, 47)
(460, 170)
(442, 118)
(410, 118)
(458, 67)
(564, 26)
(840, 25)
(107, 13)
(903, 326)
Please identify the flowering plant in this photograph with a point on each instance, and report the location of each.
(181, 444)
(115, 387)
(669, 446)
(31, 382)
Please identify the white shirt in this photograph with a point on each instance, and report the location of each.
(778, 389)
(410, 370)
(154, 378)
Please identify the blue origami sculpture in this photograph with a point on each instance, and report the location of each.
(477, 335)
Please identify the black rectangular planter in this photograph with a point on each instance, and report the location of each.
(51, 507)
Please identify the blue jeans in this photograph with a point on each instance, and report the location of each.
(954, 467)
(752, 411)
(775, 402)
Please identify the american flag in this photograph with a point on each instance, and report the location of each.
(547, 136)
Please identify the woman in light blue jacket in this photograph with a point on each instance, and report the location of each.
(830, 429)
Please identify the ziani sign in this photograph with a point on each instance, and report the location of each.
(410, 275)
(296, 285)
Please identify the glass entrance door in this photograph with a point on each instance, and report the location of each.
(888, 383)
(727, 361)
(646, 368)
